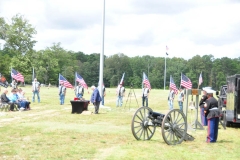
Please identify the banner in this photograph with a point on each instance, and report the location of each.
(3, 81)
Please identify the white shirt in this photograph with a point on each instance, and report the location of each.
(145, 92)
(35, 85)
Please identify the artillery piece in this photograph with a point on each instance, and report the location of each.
(173, 125)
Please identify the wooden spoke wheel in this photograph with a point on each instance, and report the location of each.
(142, 127)
(174, 127)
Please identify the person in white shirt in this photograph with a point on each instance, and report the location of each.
(35, 90)
(145, 93)
(120, 94)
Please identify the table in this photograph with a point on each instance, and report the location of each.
(79, 106)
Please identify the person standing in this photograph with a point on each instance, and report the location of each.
(79, 90)
(35, 90)
(212, 113)
(14, 84)
(145, 93)
(95, 99)
(181, 98)
(171, 96)
(204, 120)
(120, 94)
(62, 93)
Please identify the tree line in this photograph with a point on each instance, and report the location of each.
(18, 53)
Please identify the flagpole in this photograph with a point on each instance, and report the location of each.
(102, 54)
(75, 79)
(165, 72)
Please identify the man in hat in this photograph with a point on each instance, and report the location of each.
(201, 105)
(212, 113)
(120, 94)
(35, 90)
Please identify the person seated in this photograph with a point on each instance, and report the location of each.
(6, 100)
(24, 103)
(14, 99)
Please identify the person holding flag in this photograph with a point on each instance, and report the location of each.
(145, 90)
(120, 93)
(79, 90)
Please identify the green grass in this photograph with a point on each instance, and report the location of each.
(50, 131)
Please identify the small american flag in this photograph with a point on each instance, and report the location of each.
(200, 79)
(166, 50)
(64, 81)
(146, 81)
(186, 82)
(16, 75)
(79, 79)
(173, 86)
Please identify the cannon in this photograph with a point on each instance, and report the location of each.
(173, 125)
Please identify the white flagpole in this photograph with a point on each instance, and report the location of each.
(102, 54)
(165, 72)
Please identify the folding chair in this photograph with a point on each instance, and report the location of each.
(4, 106)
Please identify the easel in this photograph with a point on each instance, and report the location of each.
(193, 92)
(129, 95)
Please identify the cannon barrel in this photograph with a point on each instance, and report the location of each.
(156, 114)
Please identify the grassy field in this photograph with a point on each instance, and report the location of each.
(50, 131)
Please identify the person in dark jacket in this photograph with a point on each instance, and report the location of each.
(5, 99)
(96, 99)
(201, 105)
(212, 113)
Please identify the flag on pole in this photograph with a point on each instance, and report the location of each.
(200, 79)
(64, 81)
(146, 81)
(16, 75)
(79, 79)
(186, 82)
(122, 79)
(167, 50)
(33, 75)
(173, 86)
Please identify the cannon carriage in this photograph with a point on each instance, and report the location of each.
(173, 125)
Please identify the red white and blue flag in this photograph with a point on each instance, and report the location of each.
(79, 79)
(146, 81)
(16, 75)
(200, 79)
(186, 82)
(173, 86)
(166, 50)
(64, 81)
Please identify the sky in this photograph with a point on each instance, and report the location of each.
(134, 27)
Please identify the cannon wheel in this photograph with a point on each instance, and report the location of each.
(174, 127)
(142, 127)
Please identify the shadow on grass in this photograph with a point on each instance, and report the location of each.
(224, 141)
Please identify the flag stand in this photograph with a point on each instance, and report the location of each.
(129, 95)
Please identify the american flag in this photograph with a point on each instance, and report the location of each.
(16, 75)
(146, 81)
(173, 86)
(79, 79)
(200, 79)
(64, 81)
(166, 50)
(186, 82)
